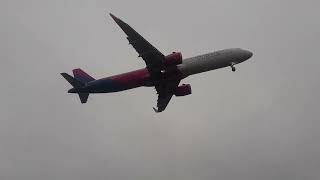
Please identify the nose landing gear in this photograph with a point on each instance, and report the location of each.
(232, 67)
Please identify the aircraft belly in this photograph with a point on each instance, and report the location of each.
(119, 82)
(104, 86)
(201, 64)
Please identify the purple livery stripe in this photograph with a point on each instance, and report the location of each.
(129, 80)
(82, 76)
(132, 79)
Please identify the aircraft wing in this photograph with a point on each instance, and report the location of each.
(165, 92)
(152, 57)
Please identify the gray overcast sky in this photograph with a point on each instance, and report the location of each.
(259, 123)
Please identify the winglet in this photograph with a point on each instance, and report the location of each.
(124, 26)
(155, 110)
(117, 20)
(113, 16)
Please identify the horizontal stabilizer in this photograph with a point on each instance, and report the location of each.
(74, 82)
(83, 97)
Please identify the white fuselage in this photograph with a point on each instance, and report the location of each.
(215, 60)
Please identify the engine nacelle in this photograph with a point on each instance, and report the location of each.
(173, 59)
(183, 90)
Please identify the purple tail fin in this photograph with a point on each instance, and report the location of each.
(82, 76)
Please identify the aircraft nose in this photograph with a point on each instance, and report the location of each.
(247, 54)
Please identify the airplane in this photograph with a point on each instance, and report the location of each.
(162, 72)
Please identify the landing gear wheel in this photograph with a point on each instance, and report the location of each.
(232, 67)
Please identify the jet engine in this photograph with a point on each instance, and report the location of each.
(173, 59)
(183, 90)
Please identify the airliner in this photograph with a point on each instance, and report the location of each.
(163, 72)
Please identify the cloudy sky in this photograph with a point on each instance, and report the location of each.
(259, 123)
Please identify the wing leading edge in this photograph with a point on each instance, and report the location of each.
(154, 61)
(152, 57)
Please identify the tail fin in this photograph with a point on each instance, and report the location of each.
(76, 84)
(82, 76)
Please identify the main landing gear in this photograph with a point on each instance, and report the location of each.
(232, 67)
